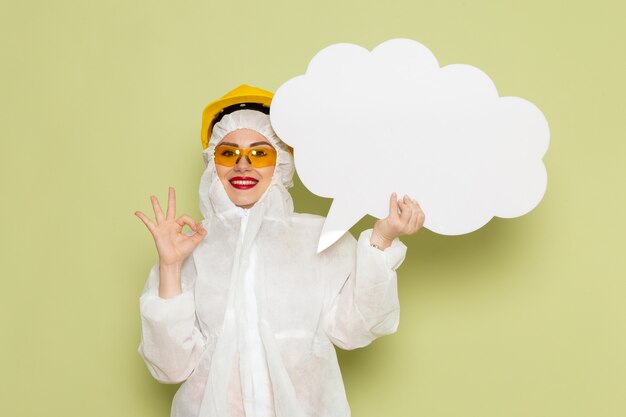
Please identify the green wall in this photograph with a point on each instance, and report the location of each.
(100, 107)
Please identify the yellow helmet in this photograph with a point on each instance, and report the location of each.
(242, 96)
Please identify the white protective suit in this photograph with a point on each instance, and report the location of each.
(252, 333)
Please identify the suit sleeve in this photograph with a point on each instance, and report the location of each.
(171, 341)
(363, 300)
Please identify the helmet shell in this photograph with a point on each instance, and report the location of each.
(240, 95)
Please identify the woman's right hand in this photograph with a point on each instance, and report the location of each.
(172, 244)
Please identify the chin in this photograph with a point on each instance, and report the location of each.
(244, 198)
(243, 202)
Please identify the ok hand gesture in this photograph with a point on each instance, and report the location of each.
(172, 244)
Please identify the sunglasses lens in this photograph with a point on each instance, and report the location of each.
(226, 155)
(258, 157)
(262, 157)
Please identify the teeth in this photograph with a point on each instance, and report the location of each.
(247, 182)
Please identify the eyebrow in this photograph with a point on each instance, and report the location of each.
(259, 143)
(249, 146)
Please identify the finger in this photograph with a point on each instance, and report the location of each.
(422, 216)
(171, 204)
(158, 213)
(146, 221)
(199, 235)
(406, 208)
(416, 203)
(419, 220)
(393, 205)
(186, 220)
(411, 226)
(401, 207)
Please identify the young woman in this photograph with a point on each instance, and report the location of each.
(244, 310)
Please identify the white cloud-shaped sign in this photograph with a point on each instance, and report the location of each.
(365, 124)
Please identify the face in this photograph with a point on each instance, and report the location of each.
(245, 184)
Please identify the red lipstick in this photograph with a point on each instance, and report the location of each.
(243, 183)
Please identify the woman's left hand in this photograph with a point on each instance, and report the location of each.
(405, 218)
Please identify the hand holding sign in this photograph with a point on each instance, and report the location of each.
(365, 124)
(405, 218)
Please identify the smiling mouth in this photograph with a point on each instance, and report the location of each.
(243, 183)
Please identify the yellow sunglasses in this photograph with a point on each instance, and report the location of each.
(258, 157)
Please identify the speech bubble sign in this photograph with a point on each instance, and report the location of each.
(365, 124)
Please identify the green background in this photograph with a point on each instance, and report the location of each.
(100, 107)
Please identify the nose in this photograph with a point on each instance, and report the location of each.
(243, 164)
